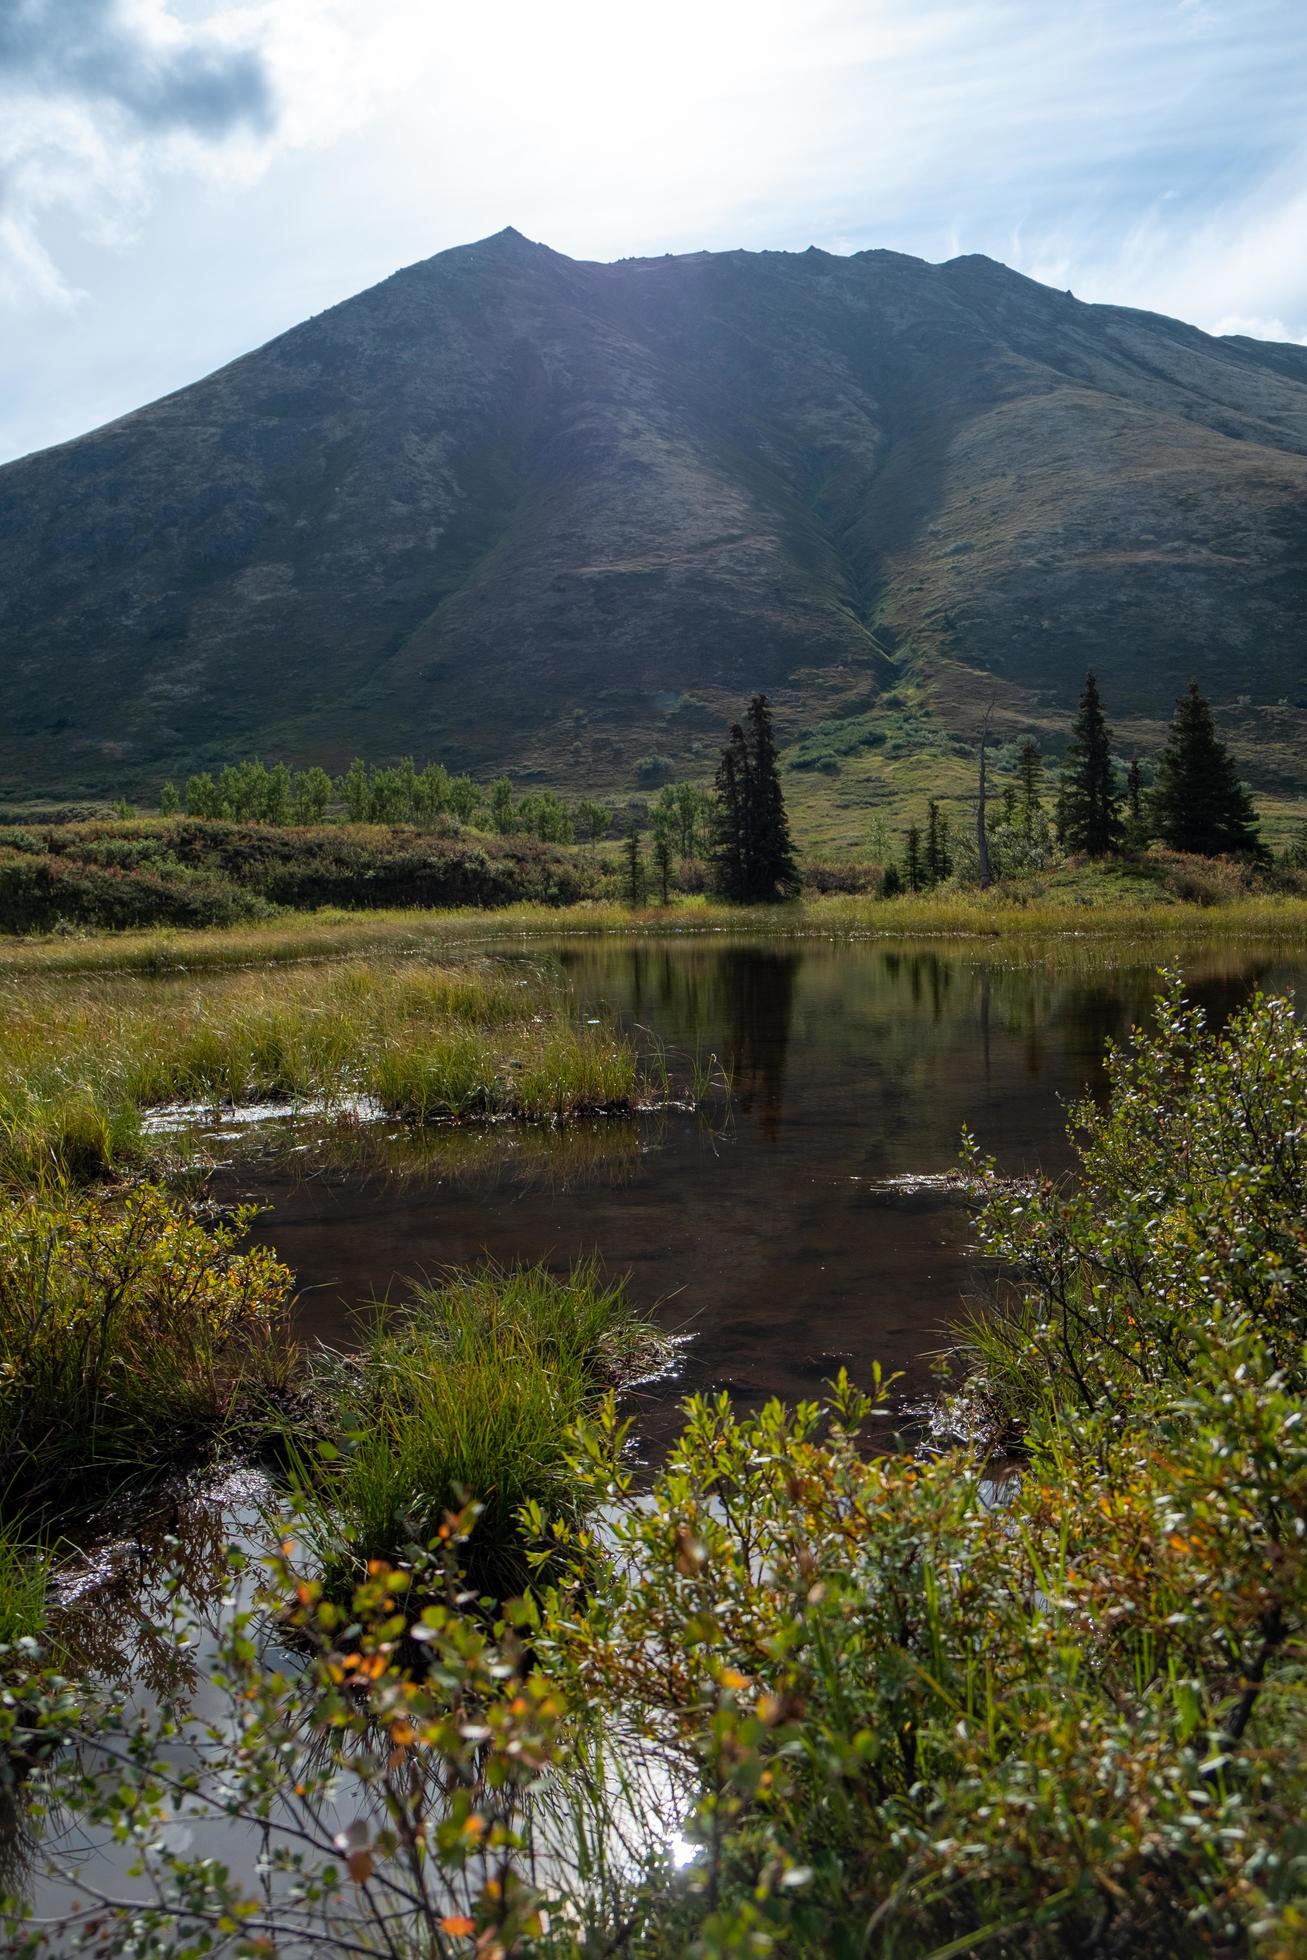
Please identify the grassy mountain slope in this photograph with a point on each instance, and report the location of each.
(521, 511)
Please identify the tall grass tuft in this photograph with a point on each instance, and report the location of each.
(24, 1582)
(467, 1393)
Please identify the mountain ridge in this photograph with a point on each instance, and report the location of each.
(561, 515)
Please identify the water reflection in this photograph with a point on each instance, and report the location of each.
(797, 1236)
(758, 988)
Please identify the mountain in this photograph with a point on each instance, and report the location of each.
(521, 511)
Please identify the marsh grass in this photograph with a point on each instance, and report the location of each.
(82, 1059)
(24, 1584)
(131, 1336)
(466, 1394)
(1084, 903)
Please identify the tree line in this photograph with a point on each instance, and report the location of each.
(251, 792)
(739, 832)
(1101, 806)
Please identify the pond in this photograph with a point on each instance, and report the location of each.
(803, 1220)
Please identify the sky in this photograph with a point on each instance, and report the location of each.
(182, 179)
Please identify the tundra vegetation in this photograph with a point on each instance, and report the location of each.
(799, 1691)
(256, 840)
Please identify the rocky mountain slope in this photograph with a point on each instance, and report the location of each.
(516, 510)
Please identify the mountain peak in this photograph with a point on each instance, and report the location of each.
(511, 240)
(527, 513)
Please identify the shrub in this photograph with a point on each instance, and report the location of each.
(1187, 1200)
(195, 873)
(130, 1335)
(898, 1715)
(1200, 880)
(822, 877)
(39, 893)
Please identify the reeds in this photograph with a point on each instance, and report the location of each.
(1094, 906)
(24, 1582)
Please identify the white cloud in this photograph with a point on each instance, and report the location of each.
(1148, 152)
(97, 97)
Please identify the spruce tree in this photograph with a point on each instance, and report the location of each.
(1136, 816)
(662, 851)
(1030, 782)
(773, 872)
(912, 865)
(1088, 805)
(1199, 804)
(728, 828)
(939, 861)
(634, 866)
(752, 855)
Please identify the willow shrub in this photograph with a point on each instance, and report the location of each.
(130, 1334)
(908, 1719)
(1188, 1204)
(879, 1713)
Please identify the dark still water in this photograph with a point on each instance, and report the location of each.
(803, 1222)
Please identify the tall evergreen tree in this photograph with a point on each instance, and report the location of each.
(1030, 783)
(729, 857)
(662, 852)
(1199, 804)
(1136, 814)
(752, 855)
(939, 859)
(1088, 805)
(774, 872)
(634, 865)
(913, 870)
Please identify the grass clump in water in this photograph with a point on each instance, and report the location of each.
(82, 1059)
(468, 1393)
(24, 1582)
(131, 1336)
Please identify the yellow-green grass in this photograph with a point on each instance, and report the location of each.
(1082, 900)
(82, 1057)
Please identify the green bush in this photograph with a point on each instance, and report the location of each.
(39, 893)
(1186, 1203)
(130, 1335)
(197, 873)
